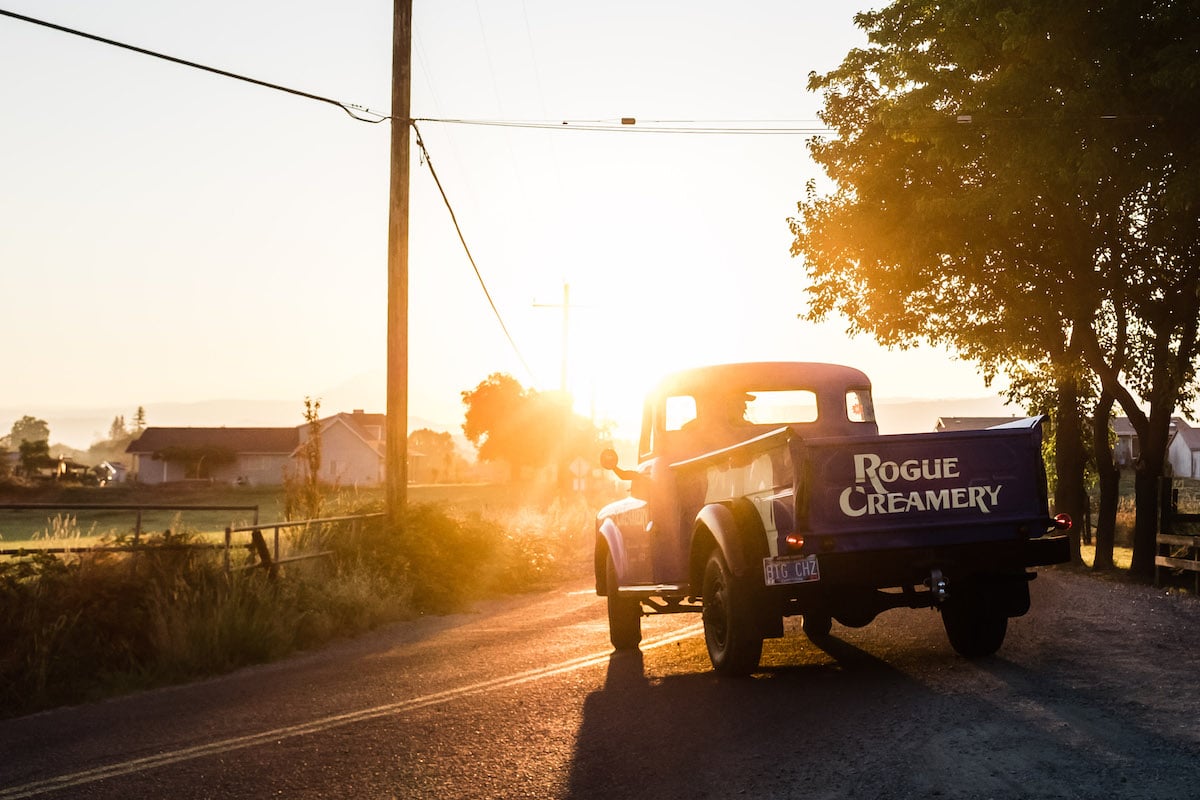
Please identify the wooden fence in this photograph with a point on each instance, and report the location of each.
(1179, 528)
(261, 556)
(269, 558)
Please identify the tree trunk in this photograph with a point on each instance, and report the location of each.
(1110, 484)
(1150, 468)
(1070, 460)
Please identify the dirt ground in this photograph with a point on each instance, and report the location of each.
(1095, 694)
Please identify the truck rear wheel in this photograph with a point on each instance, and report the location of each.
(624, 614)
(974, 630)
(817, 626)
(734, 643)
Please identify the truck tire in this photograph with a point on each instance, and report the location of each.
(624, 614)
(733, 640)
(974, 630)
(817, 626)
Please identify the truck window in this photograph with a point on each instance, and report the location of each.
(859, 407)
(781, 407)
(680, 410)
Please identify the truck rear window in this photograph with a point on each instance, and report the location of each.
(781, 407)
(859, 407)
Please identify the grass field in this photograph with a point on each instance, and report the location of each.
(34, 528)
(87, 625)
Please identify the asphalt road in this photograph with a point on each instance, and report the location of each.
(1096, 694)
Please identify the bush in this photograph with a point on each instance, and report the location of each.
(84, 627)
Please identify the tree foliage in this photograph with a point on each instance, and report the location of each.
(35, 455)
(438, 450)
(1018, 180)
(29, 429)
(525, 428)
(303, 497)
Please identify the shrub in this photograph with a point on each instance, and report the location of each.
(83, 627)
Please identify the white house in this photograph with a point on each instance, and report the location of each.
(1183, 447)
(1183, 453)
(228, 455)
(352, 452)
(353, 449)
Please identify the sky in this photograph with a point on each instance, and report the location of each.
(169, 236)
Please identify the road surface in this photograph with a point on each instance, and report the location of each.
(1096, 694)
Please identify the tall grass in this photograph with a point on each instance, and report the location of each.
(81, 627)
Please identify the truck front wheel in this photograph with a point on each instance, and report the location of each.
(734, 643)
(624, 614)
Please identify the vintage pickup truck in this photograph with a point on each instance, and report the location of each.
(764, 490)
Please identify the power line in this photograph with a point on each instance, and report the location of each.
(355, 111)
(349, 108)
(471, 258)
(630, 125)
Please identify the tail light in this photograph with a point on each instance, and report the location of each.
(1062, 522)
(794, 541)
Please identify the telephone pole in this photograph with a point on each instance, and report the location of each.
(396, 460)
(566, 329)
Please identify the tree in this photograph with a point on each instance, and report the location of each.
(139, 420)
(985, 198)
(34, 455)
(29, 429)
(438, 451)
(117, 429)
(525, 428)
(303, 496)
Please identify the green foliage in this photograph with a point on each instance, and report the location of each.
(83, 627)
(35, 456)
(303, 495)
(526, 428)
(29, 429)
(1018, 181)
(434, 457)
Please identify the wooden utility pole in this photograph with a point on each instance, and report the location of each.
(396, 462)
(566, 329)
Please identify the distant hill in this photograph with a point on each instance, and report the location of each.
(79, 428)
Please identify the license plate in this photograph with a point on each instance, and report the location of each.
(780, 571)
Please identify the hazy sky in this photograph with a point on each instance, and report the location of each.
(172, 235)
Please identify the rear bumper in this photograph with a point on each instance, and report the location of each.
(882, 569)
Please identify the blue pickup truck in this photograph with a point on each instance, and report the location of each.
(764, 490)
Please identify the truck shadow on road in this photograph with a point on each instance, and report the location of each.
(851, 724)
(700, 735)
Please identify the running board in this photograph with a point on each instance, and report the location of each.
(661, 590)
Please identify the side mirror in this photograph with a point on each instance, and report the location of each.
(608, 460)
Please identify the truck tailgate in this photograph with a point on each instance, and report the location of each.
(915, 490)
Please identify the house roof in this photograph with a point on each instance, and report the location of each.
(1179, 427)
(362, 423)
(370, 429)
(1190, 435)
(239, 440)
(970, 423)
(1123, 427)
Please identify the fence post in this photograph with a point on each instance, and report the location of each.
(137, 528)
(277, 543)
(228, 539)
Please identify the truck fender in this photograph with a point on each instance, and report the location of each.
(610, 533)
(737, 530)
